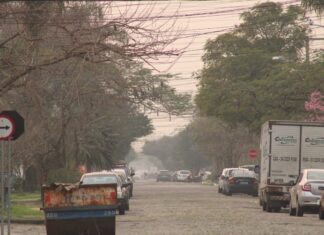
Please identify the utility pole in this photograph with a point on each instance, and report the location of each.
(307, 49)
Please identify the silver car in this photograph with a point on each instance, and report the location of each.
(305, 195)
(184, 175)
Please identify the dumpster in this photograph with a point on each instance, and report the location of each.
(74, 209)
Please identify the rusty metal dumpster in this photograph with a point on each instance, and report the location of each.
(74, 209)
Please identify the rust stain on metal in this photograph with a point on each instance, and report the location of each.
(56, 197)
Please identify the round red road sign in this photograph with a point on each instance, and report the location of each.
(252, 153)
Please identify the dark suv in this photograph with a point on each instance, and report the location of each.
(164, 175)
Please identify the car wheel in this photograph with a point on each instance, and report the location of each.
(299, 209)
(321, 213)
(229, 193)
(292, 211)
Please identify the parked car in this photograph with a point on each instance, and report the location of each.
(108, 177)
(221, 179)
(128, 176)
(164, 175)
(184, 175)
(321, 208)
(305, 195)
(254, 168)
(240, 180)
(125, 184)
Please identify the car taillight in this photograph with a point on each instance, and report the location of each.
(306, 187)
(231, 180)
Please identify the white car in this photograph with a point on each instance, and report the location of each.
(305, 195)
(184, 175)
(221, 179)
(128, 177)
(108, 177)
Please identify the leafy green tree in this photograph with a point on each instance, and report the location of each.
(316, 5)
(241, 83)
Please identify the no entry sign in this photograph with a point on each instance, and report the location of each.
(11, 125)
(252, 153)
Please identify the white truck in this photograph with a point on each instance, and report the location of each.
(287, 147)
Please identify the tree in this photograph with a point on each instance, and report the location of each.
(38, 34)
(242, 84)
(205, 143)
(223, 145)
(315, 106)
(178, 152)
(315, 5)
(70, 70)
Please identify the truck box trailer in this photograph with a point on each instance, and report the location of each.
(287, 147)
(74, 209)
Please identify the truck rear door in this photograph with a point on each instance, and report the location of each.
(285, 153)
(312, 147)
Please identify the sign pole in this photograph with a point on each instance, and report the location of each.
(11, 127)
(2, 187)
(9, 186)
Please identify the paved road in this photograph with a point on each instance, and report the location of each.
(190, 208)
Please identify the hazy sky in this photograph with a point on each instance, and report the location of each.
(198, 21)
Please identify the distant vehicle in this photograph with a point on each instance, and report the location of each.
(306, 193)
(254, 168)
(287, 147)
(221, 179)
(107, 177)
(240, 180)
(321, 208)
(164, 175)
(184, 175)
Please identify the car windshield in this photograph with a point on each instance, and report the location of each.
(315, 175)
(99, 179)
(249, 167)
(241, 173)
(164, 172)
(184, 172)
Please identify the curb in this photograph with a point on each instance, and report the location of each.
(25, 221)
